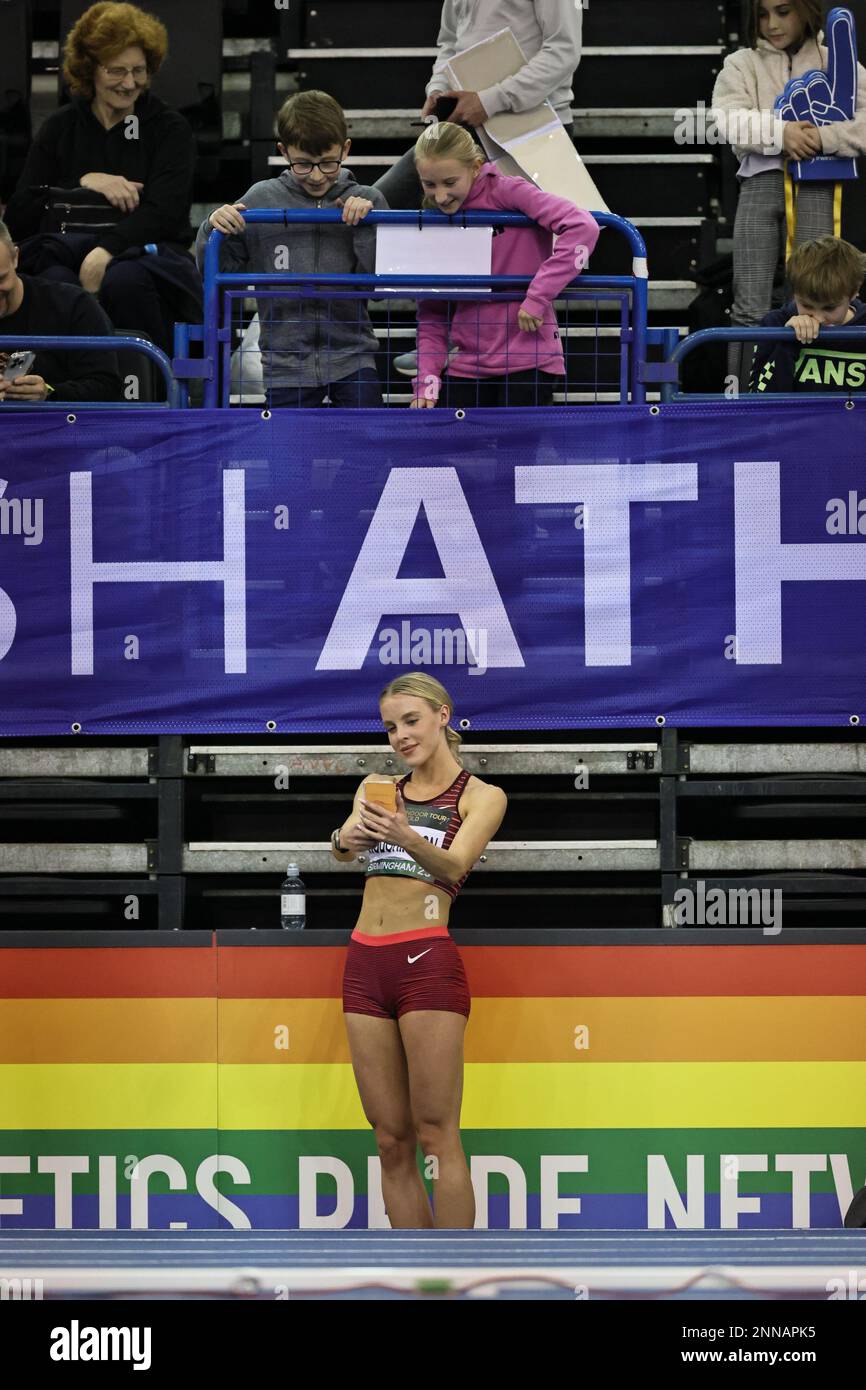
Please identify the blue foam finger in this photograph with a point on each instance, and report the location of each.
(842, 61)
(799, 100)
(822, 98)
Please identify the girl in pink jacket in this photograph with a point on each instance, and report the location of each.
(508, 353)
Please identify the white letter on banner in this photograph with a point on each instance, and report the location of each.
(208, 1190)
(763, 563)
(731, 1204)
(482, 1166)
(8, 622)
(138, 1187)
(377, 1217)
(468, 588)
(801, 1167)
(230, 571)
(606, 490)
(63, 1166)
(309, 1168)
(551, 1202)
(662, 1194)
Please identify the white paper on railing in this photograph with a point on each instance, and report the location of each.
(453, 250)
(532, 144)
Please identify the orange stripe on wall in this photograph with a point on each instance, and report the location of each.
(108, 1030)
(500, 1030)
(544, 1030)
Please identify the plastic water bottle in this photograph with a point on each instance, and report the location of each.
(293, 901)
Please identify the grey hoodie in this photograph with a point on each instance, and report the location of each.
(548, 31)
(305, 342)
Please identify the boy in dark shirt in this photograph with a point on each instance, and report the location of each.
(825, 276)
(42, 308)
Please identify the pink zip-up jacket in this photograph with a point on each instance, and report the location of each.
(488, 336)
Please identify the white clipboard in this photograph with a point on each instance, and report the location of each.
(532, 144)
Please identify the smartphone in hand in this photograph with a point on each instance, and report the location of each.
(18, 364)
(445, 108)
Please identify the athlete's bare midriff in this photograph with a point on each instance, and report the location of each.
(396, 905)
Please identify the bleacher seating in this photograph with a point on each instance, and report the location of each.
(15, 123)
(195, 88)
(196, 828)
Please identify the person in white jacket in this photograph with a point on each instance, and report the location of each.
(548, 31)
(786, 41)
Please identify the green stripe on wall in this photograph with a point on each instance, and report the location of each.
(617, 1157)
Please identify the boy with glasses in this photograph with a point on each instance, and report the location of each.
(311, 348)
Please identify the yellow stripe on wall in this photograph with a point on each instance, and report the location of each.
(554, 1095)
(558, 1095)
(106, 1095)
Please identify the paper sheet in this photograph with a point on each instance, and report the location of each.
(531, 143)
(453, 250)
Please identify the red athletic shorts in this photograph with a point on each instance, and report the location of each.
(388, 976)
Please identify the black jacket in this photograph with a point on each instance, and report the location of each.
(76, 375)
(72, 142)
(817, 366)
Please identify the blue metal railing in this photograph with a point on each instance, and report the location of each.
(100, 344)
(455, 286)
(669, 375)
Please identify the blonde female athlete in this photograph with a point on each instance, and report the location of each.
(405, 997)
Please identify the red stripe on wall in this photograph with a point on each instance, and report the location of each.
(557, 971)
(665, 970)
(316, 972)
(148, 972)
(274, 972)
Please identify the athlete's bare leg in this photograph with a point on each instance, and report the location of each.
(433, 1039)
(379, 1063)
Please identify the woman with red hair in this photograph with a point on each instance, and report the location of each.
(118, 140)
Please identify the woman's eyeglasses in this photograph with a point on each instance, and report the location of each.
(117, 74)
(306, 166)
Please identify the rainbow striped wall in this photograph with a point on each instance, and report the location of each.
(606, 1085)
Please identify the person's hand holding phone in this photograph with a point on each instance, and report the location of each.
(14, 367)
(467, 109)
(429, 107)
(26, 388)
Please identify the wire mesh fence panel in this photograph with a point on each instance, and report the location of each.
(279, 340)
(306, 348)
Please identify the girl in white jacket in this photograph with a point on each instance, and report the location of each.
(785, 42)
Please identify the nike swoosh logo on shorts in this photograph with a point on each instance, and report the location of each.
(412, 959)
